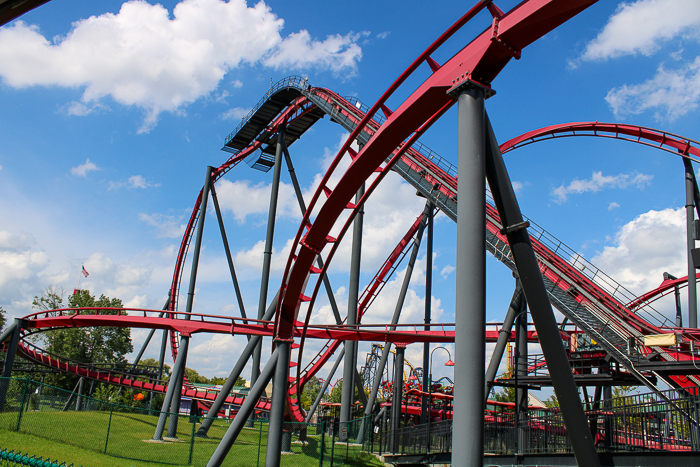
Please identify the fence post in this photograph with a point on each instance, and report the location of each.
(320, 449)
(259, 442)
(194, 422)
(333, 444)
(21, 407)
(109, 426)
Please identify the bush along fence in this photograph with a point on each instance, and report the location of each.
(12, 459)
(30, 407)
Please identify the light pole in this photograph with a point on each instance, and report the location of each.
(430, 386)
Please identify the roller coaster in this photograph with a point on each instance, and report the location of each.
(381, 140)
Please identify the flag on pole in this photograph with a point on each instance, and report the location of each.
(85, 273)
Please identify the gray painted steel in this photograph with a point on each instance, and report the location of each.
(394, 319)
(397, 396)
(540, 309)
(160, 426)
(428, 303)
(350, 363)
(233, 376)
(246, 409)
(503, 336)
(267, 254)
(521, 397)
(229, 259)
(279, 400)
(690, 217)
(12, 332)
(175, 404)
(314, 406)
(470, 301)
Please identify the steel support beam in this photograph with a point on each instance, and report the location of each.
(503, 337)
(397, 396)
(540, 308)
(470, 303)
(167, 401)
(267, 254)
(233, 376)
(248, 407)
(521, 395)
(279, 400)
(690, 233)
(12, 332)
(424, 418)
(350, 364)
(229, 258)
(324, 387)
(395, 319)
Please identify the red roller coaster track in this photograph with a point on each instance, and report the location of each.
(391, 141)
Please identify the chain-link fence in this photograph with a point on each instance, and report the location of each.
(12, 458)
(30, 407)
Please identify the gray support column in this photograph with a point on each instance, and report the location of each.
(394, 320)
(233, 376)
(224, 238)
(279, 400)
(521, 397)
(424, 418)
(397, 396)
(314, 406)
(171, 403)
(350, 364)
(470, 304)
(503, 337)
(319, 261)
(267, 254)
(79, 397)
(184, 340)
(167, 401)
(540, 307)
(690, 217)
(12, 333)
(248, 407)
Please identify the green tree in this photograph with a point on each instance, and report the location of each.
(2, 318)
(195, 377)
(97, 345)
(219, 380)
(507, 394)
(310, 392)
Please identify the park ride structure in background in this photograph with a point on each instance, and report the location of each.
(547, 271)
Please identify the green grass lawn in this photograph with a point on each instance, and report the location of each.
(81, 438)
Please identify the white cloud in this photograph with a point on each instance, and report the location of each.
(141, 57)
(613, 205)
(21, 262)
(135, 181)
(166, 226)
(447, 270)
(83, 169)
(598, 182)
(645, 248)
(236, 113)
(642, 27)
(298, 51)
(518, 187)
(383, 35)
(672, 93)
(257, 199)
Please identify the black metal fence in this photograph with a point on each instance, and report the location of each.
(666, 421)
(30, 407)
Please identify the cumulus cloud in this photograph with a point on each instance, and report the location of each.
(166, 226)
(83, 169)
(235, 113)
(257, 199)
(598, 182)
(613, 205)
(671, 93)
(643, 26)
(645, 248)
(143, 57)
(447, 270)
(21, 261)
(135, 181)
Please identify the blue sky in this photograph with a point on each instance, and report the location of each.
(112, 111)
